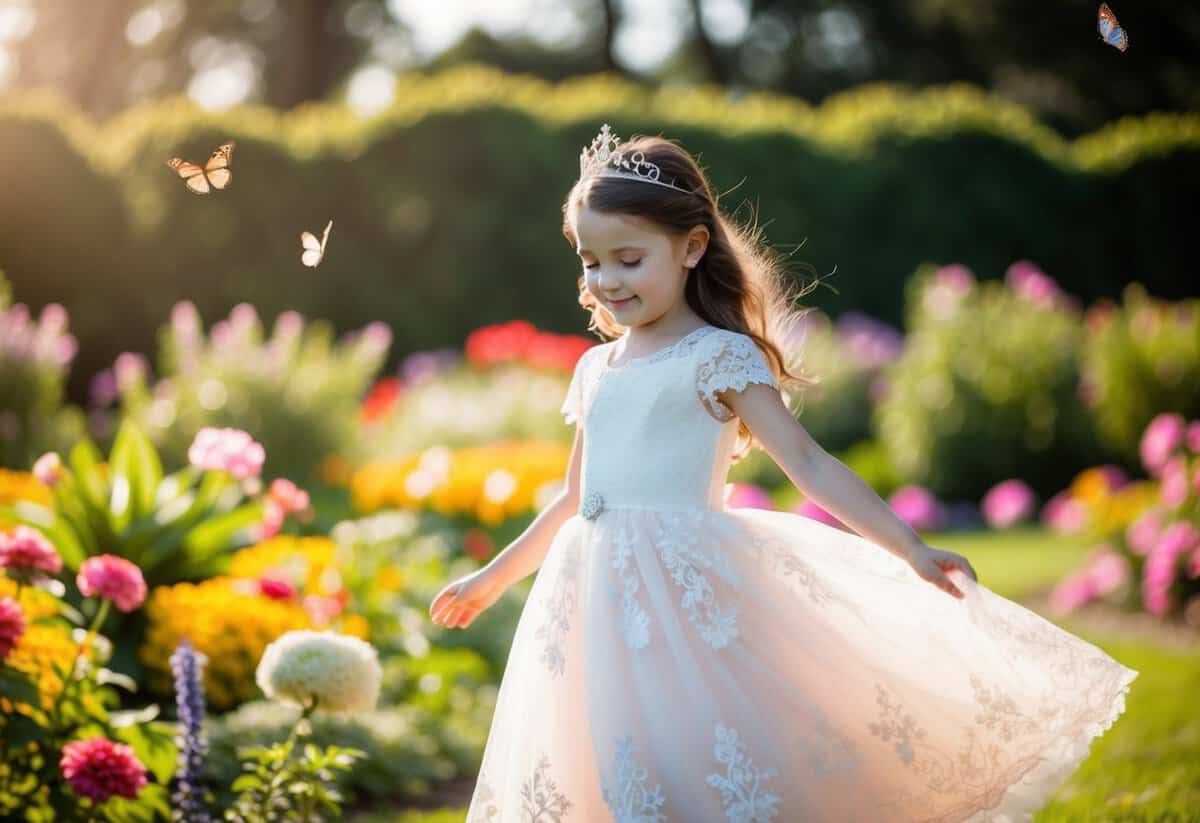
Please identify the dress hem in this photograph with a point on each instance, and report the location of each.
(1030, 791)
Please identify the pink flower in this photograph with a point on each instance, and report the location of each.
(1007, 503)
(810, 508)
(113, 578)
(1160, 439)
(1108, 570)
(1193, 568)
(917, 507)
(99, 768)
(12, 625)
(1143, 533)
(48, 469)
(322, 609)
(285, 492)
(229, 450)
(1071, 593)
(946, 292)
(1064, 514)
(1027, 280)
(747, 496)
(1176, 539)
(27, 555)
(273, 517)
(1193, 436)
(1114, 476)
(1174, 487)
(276, 589)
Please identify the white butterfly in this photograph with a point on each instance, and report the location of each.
(314, 251)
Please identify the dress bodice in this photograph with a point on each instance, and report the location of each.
(656, 435)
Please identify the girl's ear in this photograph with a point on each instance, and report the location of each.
(697, 244)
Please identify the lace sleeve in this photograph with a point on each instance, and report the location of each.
(572, 405)
(733, 362)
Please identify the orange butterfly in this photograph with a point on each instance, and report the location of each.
(215, 172)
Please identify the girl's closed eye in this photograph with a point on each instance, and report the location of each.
(629, 264)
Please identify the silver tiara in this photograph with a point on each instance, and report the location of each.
(606, 158)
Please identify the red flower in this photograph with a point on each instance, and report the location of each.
(478, 544)
(12, 625)
(113, 578)
(276, 589)
(382, 398)
(99, 768)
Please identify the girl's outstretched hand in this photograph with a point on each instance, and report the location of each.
(932, 564)
(459, 603)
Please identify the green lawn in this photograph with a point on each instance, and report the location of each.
(1145, 769)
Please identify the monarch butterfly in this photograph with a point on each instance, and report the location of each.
(215, 172)
(1110, 31)
(314, 251)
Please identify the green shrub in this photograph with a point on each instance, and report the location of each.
(985, 389)
(1139, 359)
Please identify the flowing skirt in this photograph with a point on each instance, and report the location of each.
(691, 665)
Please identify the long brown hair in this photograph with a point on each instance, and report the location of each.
(740, 283)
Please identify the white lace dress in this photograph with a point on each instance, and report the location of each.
(677, 661)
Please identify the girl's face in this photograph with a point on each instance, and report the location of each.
(634, 268)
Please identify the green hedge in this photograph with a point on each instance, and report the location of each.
(446, 206)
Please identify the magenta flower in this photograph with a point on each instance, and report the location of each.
(809, 508)
(1179, 537)
(1174, 486)
(1007, 503)
(26, 554)
(48, 469)
(99, 768)
(747, 496)
(1114, 476)
(285, 492)
(1160, 439)
(112, 578)
(917, 507)
(12, 625)
(1064, 514)
(228, 450)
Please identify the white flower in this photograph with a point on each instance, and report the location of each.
(341, 672)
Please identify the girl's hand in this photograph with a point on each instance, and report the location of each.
(932, 564)
(458, 604)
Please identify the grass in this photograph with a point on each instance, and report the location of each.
(1145, 769)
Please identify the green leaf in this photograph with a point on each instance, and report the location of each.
(154, 744)
(128, 717)
(247, 781)
(85, 460)
(107, 676)
(16, 686)
(136, 472)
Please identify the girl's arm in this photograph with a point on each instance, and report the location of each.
(828, 481)
(525, 554)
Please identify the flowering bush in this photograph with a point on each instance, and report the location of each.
(1140, 358)
(508, 385)
(486, 483)
(1148, 532)
(64, 747)
(172, 527)
(35, 357)
(1007, 503)
(297, 391)
(985, 388)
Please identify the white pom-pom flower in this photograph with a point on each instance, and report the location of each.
(340, 672)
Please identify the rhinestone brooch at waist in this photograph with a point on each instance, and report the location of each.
(593, 504)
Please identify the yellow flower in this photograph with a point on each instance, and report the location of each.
(15, 486)
(35, 603)
(40, 651)
(1090, 486)
(230, 624)
(389, 579)
(489, 483)
(305, 562)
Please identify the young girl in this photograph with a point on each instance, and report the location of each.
(680, 661)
